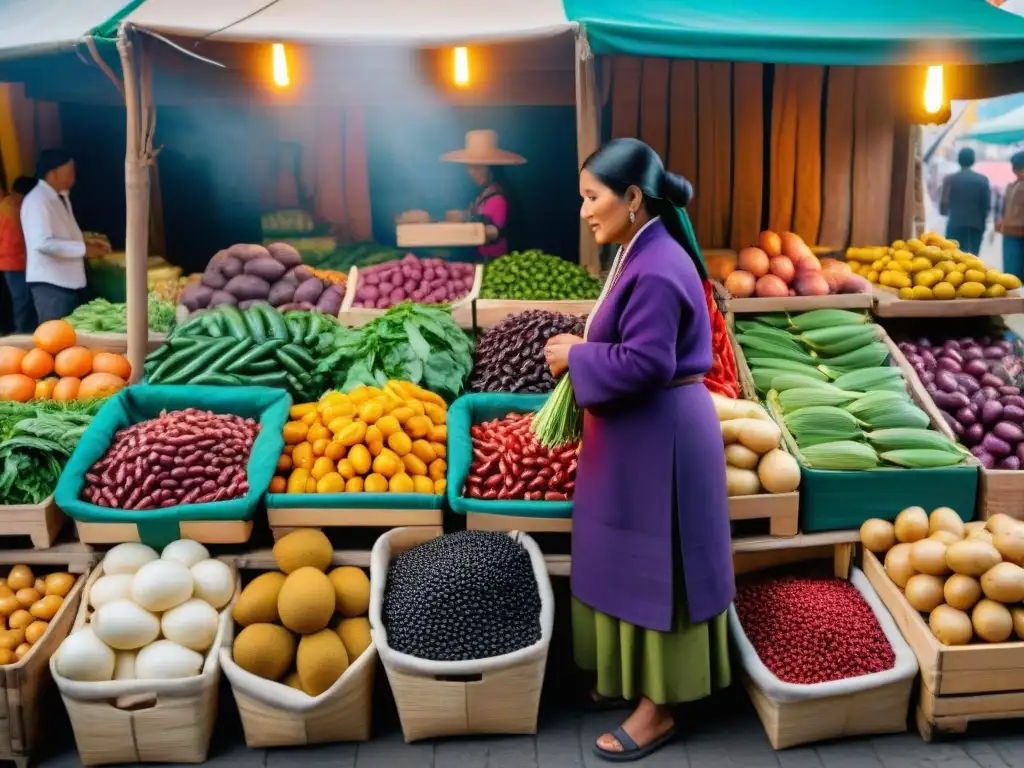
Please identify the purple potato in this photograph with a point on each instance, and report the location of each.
(996, 446)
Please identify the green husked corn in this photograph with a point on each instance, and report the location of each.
(822, 424)
(804, 397)
(773, 348)
(833, 342)
(772, 336)
(769, 332)
(776, 320)
(786, 380)
(827, 318)
(922, 458)
(841, 455)
(810, 371)
(764, 378)
(876, 402)
(869, 379)
(871, 355)
(901, 414)
(904, 439)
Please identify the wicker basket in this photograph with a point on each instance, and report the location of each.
(274, 715)
(26, 682)
(500, 695)
(144, 721)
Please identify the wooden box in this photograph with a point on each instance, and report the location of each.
(490, 312)
(357, 317)
(26, 682)
(981, 681)
(889, 304)
(284, 520)
(40, 522)
(497, 699)
(440, 234)
(203, 531)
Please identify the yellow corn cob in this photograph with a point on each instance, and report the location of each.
(922, 458)
(840, 455)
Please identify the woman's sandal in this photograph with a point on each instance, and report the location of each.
(595, 702)
(631, 751)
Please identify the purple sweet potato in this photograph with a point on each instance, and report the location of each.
(309, 291)
(250, 303)
(282, 292)
(247, 287)
(285, 254)
(248, 251)
(267, 268)
(330, 300)
(222, 297)
(213, 279)
(196, 297)
(230, 267)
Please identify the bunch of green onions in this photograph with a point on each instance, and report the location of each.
(560, 420)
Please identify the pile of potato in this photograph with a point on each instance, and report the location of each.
(754, 462)
(966, 576)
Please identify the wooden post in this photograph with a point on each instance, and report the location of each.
(588, 136)
(136, 177)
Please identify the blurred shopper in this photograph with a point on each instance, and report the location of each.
(12, 255)
(966, 200)
(1011, 220)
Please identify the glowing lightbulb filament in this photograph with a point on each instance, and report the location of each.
(933, 90)
(461, 73)
(281, 76)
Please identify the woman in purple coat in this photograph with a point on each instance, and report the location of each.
(651, 560)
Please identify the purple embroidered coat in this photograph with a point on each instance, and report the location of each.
(651, 475)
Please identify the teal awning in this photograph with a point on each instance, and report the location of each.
(1007, 129)
(862, 32)
(35, 27)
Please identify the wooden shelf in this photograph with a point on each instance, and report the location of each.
(889, 304)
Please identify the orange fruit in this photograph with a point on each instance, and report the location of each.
(55, 336)
(37, 364)
(67, 389)
(100, 385)
(73, 361)
(45, 387)
(17, 387)
(11, 359)
(107, 362)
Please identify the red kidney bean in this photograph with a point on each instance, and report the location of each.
(812, 630)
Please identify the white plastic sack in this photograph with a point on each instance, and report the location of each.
(905, 666)
(380, 562)
(280, 696)
(113, 689)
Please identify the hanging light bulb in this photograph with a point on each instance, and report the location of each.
(934, 95)
(461, 72)
(280, 58)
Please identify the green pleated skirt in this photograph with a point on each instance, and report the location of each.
(686, 664)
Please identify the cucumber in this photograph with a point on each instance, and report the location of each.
(177, 360)
(273, 322)
(318, 323)
(290, 364)
(181, 342)
(300, 355)
(298, 325)
(216, 378)
(234, 322)
(192, 325)
(212, 326)
(273, 379)
(254, 322)
(198, 362)
(262, 366)
(239, 348)
(257, 353)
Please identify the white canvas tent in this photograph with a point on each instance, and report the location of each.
(426, 24)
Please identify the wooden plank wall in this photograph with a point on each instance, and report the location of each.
(812, 150)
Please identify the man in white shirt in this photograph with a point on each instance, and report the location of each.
(55, 247)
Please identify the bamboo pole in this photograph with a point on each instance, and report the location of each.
(136, 177)
(588, 136)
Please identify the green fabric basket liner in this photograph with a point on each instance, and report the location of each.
(474, 409)
(832, 500)
(383, 501)
(158, 527)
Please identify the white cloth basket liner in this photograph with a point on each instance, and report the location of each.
(380, 561)
(113, 689)
(280, 696)
(775, 689)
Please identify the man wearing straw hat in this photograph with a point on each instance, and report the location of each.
(492, 205)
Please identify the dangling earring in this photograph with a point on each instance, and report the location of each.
(632, 218)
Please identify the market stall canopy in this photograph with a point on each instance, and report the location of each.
(1007, 129)
(34, 27)
(422, 24)
(866, 32)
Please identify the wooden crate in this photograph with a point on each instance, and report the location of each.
(781, 510)
(118, 342)
(440, 234)
(981, 681)
(357, 317)
(40, 522)
(499, 701)
(284, 520)
(490, 312)
(203, 531)
(796, 304)
(889, 304)
(26, 682)
(478, 521)
(144, 721)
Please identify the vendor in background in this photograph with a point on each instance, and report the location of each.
(56, 248)
(652, 572)
(12, 255)
(1010, 221)
(966, 199)
(493, 206)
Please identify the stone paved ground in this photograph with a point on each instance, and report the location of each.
(724, 735)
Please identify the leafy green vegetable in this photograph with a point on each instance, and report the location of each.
(411, 342)
(102, 316)
(560, 420)
(36, 440)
